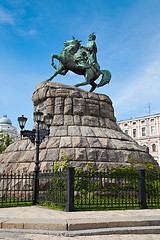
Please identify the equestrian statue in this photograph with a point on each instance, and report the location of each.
(82, 60)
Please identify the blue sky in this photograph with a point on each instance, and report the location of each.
(128, 41)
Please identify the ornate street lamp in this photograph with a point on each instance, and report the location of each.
(38, 116)
(36, 136)
(48, 120)
(22, 121)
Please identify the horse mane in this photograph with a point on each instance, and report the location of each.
(71, 49)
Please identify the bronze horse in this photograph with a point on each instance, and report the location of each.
(76, 61)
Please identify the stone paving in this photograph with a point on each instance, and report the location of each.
(20, 236)
(35, 212)
(39, 217)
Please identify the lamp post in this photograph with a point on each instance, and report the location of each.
(36, 136)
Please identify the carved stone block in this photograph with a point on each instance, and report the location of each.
(70, 152)
(90, 121)
(77, 120)
(74, 131)
(80, 142)
(94, 142)
(61, 131)
(98, 132)
(80, 154)
(92, 110)
(58, 120)
(68, 120)
(101, 155)
(87, 131)
(91, 154)
(62, 92)
(68, 106)
(53, 142)
(59, 105)
(65, 142)
(52, 154)
(79, 110)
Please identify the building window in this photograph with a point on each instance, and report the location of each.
(134, 123)
(152, 120)
(143, 131)
(152, 130)
(126, 131)
(125, 124)
(134, 132)
(142, 121)
(153, 147)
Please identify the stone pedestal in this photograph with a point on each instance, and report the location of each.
(84, 127)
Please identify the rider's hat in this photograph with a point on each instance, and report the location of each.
(92, 35)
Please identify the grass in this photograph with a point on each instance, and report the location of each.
(52, 206)
(109, 203)
(12, 203)
(86, 204)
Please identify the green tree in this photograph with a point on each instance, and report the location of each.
(5, 141)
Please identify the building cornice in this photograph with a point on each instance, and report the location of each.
(139, 118)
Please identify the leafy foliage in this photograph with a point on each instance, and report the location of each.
(60, 166)
(5, 141)
(111, 189)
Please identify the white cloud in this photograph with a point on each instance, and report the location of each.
(33, 32)
(25, 33)
(6, 17)
(14, 18)
(141, 90)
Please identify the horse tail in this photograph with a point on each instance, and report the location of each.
(106, 77)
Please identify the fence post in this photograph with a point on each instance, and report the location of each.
(70, 189)
(142, 188)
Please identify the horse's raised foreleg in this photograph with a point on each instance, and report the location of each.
(52, 61)
(60, 70)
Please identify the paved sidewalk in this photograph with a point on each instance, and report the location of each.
(46, 221)
(29, 236)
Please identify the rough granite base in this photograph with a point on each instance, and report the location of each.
(84, 127)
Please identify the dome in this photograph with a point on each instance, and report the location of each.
(5, 120)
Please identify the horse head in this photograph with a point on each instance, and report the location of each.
(72, 46)
(74, 41)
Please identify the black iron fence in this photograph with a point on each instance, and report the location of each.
(53, 188)
(16, 188)
(106, 190)
(74, 189)
(152, 189)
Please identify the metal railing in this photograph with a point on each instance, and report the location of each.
(106, 190)
(53, 188)
(16, 188)
(96, 190)
(152, 188)
(84, 190)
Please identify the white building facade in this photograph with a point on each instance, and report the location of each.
(145, 131)
(6, 127)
